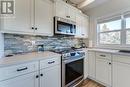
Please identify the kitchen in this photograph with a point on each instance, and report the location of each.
(64, 43)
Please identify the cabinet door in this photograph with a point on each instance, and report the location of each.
(44, 17)
(92, 64)
(51, 77)
(78, 25)
(81, 26)
(85, 26)
(60, 9)
(21, 20)
(103, 71)
(71, 12)
(121, 77)
(86, 65)
(28, 80)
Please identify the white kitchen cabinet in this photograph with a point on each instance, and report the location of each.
(44, 17)
(65, 10)
(51, 77)
(121, 71)
(31, 17)
(103, 68)
(92, 64)
(103, 71)
(85, 26)
(28, 80)
(21, 20)
(86, 65)
(41, 73)
(60, 8)
(82, 25)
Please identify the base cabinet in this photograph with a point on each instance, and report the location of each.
(103, 71)
(51, 77)
(86, 66)
(92, 61)
(46, 73)
(28, 80)
(121, 77)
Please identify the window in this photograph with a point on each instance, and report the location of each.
(127, 18)
(114, 31)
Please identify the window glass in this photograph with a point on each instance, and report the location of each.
(110, 38)
(109, 26)
(127, 23)
(127, 37)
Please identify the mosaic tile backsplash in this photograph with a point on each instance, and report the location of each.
(25, 43)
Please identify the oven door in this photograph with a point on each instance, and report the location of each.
(72, 71)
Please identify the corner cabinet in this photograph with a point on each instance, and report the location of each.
(31, 17)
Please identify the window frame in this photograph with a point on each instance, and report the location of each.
(123, 33)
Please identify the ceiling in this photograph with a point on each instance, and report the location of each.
(91, 5)
(77, 1)
(95, 4)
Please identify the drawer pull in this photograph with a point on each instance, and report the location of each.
(22, 69)
(103, 55)
(51, 62)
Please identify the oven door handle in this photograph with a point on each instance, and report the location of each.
(72, 60)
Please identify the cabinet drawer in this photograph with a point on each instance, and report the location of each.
(50, 62)
(16, 70)
(101, 55)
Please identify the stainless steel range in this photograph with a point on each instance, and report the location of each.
(72, 67)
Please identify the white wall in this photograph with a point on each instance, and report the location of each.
(1, 45)
(111, 7)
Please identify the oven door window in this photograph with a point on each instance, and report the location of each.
(73, 71)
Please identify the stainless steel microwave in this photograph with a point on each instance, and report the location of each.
(64, 26)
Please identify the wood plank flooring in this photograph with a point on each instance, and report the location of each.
(90, 83)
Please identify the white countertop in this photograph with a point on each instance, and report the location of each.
(34, 56)
(108, 51)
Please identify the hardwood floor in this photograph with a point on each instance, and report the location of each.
(90, 83)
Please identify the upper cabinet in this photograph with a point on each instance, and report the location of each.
(82, 25)
(31, 17)
(20, 21)
(44, 17)
(35, 17)
(64, 10)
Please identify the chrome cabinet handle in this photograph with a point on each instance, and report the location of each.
(22, 69)
(51, 62)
